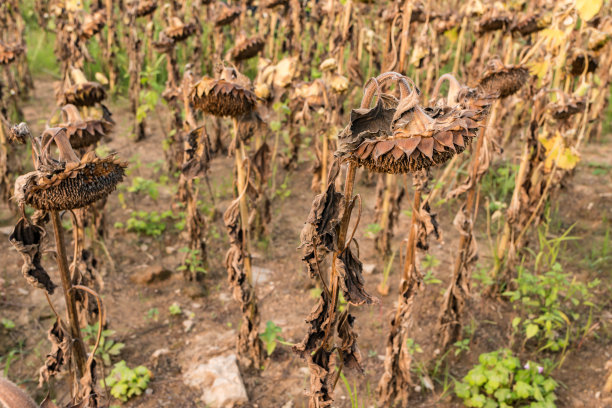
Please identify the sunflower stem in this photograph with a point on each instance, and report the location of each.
(62, 264)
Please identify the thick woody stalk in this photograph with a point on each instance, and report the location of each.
(62, 264)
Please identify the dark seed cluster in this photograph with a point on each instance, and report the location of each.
(92, 182)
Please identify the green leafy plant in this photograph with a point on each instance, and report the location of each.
(143, 185)
(192, 263)
(271, 337)
(146, 223)
(107, 346)
(549, 301)
(175, 309)
(153, 314)
(499, 380)
(429, 263)
(126, 382)
(7, 324)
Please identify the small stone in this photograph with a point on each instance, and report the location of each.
(150, 274)
(220, 382)
(369, 269)
(188, 325)
(261, 275)
(288, 404)
(22, 291)
(194, 290)
(149, 391)
(157, 354)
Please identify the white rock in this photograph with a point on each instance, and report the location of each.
(369, 269)
(288, 404)
(220, 382)
(188, 325)
(261, 275)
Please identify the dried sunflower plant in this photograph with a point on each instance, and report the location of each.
(231, 96)
(62, 185)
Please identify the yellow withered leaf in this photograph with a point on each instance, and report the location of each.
(539, 68)
(565, 158)
(554, 37)
(587, 9)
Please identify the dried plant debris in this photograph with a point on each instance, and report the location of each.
(19, 133)
(9, 52)
(501, 80)
(580, 61)
(93, 24)
(27, 239)
(196, 160)
(70, 182)
(567, 107)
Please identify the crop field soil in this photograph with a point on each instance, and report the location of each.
(301, 203)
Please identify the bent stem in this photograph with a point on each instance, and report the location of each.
(62, 264)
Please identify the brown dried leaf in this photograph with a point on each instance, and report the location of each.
(350, 270)
(27, 240)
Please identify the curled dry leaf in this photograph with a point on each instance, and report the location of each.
(59, 356)
(319, 235)
(427, 226)
(196, 160)
(27, 239)
(350, 272)
(351, 356)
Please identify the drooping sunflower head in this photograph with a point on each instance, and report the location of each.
(68, 182)
(230, 95)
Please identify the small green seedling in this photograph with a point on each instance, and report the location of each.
(499, 380)
(126, 382)
(271, 337)
(175, 309)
